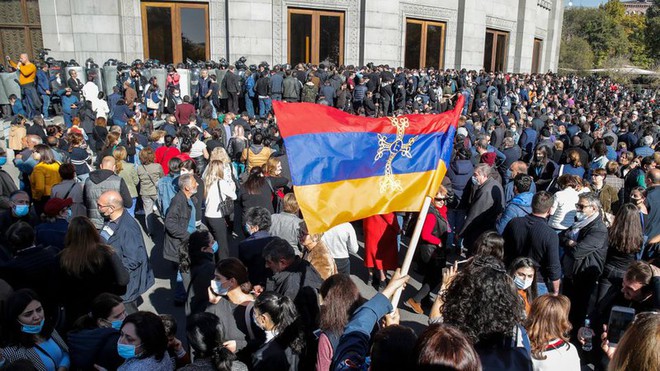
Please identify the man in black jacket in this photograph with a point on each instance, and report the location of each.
(486, 204)
(262, 88)
(296, 278)
(179, 224)
(232, 85)
(258, 223)
(531, 236)
(124, 234)
(585, 245)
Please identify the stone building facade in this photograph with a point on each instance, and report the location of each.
(510, 35)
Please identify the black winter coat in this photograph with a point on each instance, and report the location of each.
(176, 228)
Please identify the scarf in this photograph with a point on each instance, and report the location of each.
(574, 231)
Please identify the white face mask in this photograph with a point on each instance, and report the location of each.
(522, 284)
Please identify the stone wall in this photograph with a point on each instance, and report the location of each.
(258, 29)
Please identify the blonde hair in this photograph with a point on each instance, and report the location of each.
(239, 131)
(214, 172)
(219, 154)
(156, 135)
(271, 166)
(548, 320)
(120, 155)
(290, 204)
(638, 348)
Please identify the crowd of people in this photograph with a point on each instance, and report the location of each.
(547, 221)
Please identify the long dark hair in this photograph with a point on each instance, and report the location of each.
(285, 316)
(206, 335)
(341, 297)
(83, 248)
(255, 181)
(626, 233)
(101, 308)
(525, 262)
(11, 328)
(234, 268)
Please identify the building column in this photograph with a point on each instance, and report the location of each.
(470, 35)
(525, 28)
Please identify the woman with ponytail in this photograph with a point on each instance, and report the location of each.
(278, 317)
(206, 338)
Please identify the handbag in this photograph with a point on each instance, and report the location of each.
(277, 197)
(226, 204)
(151, 104)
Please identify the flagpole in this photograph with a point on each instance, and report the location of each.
(405, 267)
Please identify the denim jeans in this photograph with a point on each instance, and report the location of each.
(249, 105)
(264, 107)
(46, 104)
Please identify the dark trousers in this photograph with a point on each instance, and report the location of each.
(218, 228)
(31, 99)
(232, 102)
(581, 290)
(431, 260)
(343, 265)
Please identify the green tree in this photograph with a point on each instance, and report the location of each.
(634, 26)
(576, 53)
(653, 30)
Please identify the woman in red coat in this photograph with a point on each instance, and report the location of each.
(381, 253)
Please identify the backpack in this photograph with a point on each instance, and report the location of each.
(308, 94)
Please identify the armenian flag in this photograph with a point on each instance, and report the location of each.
(347, 167)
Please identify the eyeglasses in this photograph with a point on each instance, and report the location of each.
(581, 206)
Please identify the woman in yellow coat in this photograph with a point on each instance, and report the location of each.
(44, 175)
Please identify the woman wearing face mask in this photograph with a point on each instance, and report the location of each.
(229, 298)
(523, 272)
(542, 168)
(93, 340)
(7, 184)
(28, 334)
(638, 198)
(143, 343)
(278, 317)
(89, 266)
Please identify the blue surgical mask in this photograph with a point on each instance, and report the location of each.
(247, 228)
(68, 214)
(580, 216)
(126, 351)
(32, 329)
(116, 324)
(3, 160)
(216, 286)
(21, 210)
(475, 181)
(509, 174)
(215, 247)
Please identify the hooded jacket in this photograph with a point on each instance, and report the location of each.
(519, 206)
(460, 172)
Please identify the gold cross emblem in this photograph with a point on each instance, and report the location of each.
(389, 183)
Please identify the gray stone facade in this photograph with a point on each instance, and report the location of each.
(258, 29)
